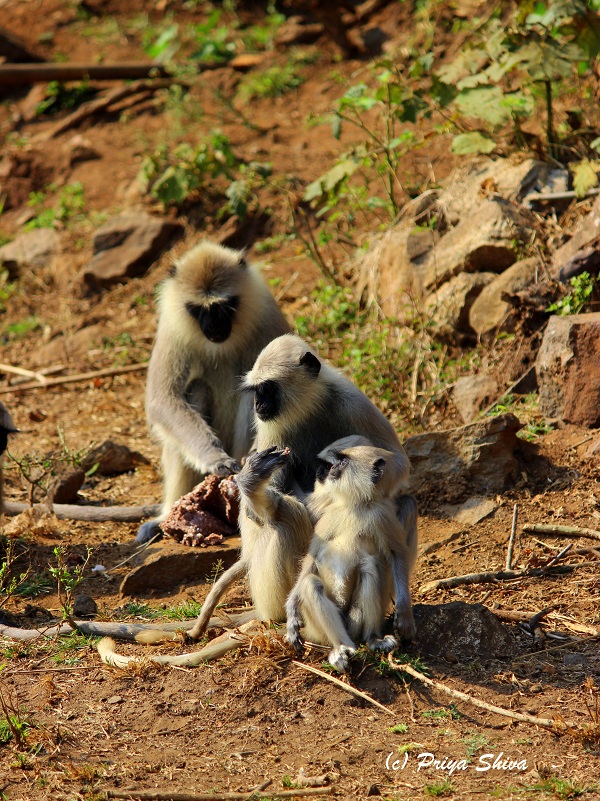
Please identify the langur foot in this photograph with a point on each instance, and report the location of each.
(338, 657)
(404, 625)
(295, 640)
(149, 531)
(385, 644)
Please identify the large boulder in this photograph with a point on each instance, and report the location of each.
(490, 312)
(448, 308)
(568, 369)
(126, 247)
(31, 250)
(569, 259)
(472, 393)
(477, 458)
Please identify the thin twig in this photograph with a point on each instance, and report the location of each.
(561, 531)
(511, 541)
(72, 379)
(548, 723)
(348, 687)
(559, 555)
(9, 368)
(498, 575)
(158, 795)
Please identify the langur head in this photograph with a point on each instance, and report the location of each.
(354, 468)
(209, 285)
(286, 382)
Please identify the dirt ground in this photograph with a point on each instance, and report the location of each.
(255, 716)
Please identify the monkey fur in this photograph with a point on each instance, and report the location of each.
(6, 427)
(304, 404)
(275, 529)
(215, 316)
(347, 578)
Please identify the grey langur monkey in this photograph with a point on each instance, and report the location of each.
(6, 427)
(304, 404)
(215, 317)
(344, 588)
(276, 531)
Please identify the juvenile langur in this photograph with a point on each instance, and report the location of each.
(276, 531)
(6, 427)
(304, 404)
(344, 588)
(215, 316)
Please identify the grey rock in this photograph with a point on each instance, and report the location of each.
(67, 348)
(574, 660)
(472, 393)
(126, 247)
(64, 488)
(33, 250)
(462, 632)
(568, 369)
(113, 459)
(448, 308)
(490, 313)
(477, 459)
(483, 240)
(472, 511)
(168, 565)
(84, 606)
(585, 233)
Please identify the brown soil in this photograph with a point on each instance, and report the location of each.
(255, 716)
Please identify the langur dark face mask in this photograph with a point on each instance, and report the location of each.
(216, 320)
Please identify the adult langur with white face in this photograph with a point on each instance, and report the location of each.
(215, 317)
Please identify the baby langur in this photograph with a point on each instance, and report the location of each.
(215, 316)
(347, 579)
(276, 531)
(6, 427)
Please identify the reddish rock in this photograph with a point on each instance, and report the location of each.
(568, 369)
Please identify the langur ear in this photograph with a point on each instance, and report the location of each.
(173, 270)
(311, 363)
(243, 262)
(377, 470)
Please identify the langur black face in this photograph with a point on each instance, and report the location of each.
(215, 320)
(334, 469)
(267, 400)
(3, 439)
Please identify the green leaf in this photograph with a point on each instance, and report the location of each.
(474, 142)
(330, 180)
(467, 63)
(336, 126)
(483, 103)
(585, 176)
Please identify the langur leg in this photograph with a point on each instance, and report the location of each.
(178, 479)
(404, 623)
(367, 611)
(235, 572)
(321, 609)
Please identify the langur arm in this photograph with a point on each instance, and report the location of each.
(404, 623)
(179, 420)
(235, 572)
(292, 605)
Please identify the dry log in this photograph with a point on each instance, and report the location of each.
(498, 575)
(73, 379)
(561, 531)
(157, 795)
(18, 74)
(95, 514)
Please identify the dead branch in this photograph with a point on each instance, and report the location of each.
(548, 723)
(15, 74)
(8, 368)
(511, 541)
(157, 795)
(561, 531)
(347, 687)
(72, 379)
(93, 514)
(499, 575)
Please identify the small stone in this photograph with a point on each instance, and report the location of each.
(33, 250)
(113, 459)
(574, 660)
(84, 606)
(472, 393)
(115, 699)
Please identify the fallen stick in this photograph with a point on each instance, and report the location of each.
(561, 531)
(15, 74)
(72, 379)
(548, 723)
(499, 575)
(93, 514)
(44, 372)
(348, 687)
(511, 541)
(9, 368)
(157, 795)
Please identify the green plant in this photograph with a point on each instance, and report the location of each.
(10, 584)
(446, 713)
(474, 742)
(68, 577)
(399, 728)
(7, 289)
(60, 97)
(575, 301)
(436, 790)
(560, 788)
(13, 725)
(71, 202)
(21, 328)
(214, 40)
(272, 82)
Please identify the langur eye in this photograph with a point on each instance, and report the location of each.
(323, 469)
(173, 270)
